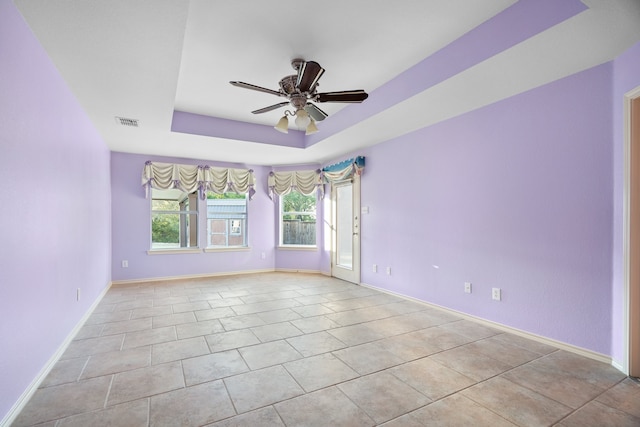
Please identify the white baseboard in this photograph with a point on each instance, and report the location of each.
(294, 270)
(31, 389)
(544, 340)
(191, 276)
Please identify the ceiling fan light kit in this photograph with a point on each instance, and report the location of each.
(301, 90)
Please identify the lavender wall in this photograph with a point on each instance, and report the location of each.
(626, 77)
(55, 223)
(131, 230)
(516, 195)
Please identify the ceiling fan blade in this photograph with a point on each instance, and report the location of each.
(316, 113)
(344, 96)
(258, 88)
(270, 108)
(308, 75)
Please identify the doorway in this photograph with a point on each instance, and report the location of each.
(632, 230)
(345, 221)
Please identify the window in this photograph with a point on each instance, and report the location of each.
(297, 219)
(226, 220)
(174, 219)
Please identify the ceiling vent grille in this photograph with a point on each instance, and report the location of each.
(127, 122)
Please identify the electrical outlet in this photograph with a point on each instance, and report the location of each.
(375, 268)
(496, 294)
(389, 271)
(78, 294)
(263, 255)
(467, 287)
(125, 263)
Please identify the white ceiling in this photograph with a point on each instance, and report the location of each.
(143, 59)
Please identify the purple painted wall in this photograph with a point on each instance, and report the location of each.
(516, 195)
(131, 230)
(55, 224)
(131, 227)
(626, 77)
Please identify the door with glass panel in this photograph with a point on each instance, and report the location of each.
(345, 225)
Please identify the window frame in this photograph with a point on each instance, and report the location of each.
(281, 214)
(191, 215)
(244, 231)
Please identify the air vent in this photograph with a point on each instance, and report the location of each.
(127, 122)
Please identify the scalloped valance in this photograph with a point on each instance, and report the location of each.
(305, 182)
(343, 170)
(190, 178)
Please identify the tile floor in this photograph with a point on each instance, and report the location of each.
(282, 349)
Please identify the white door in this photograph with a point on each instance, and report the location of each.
(345, 221)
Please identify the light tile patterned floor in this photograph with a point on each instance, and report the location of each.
(281, 349)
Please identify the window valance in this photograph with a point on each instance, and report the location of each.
(305, 182)
(343, 170)
(190, 178)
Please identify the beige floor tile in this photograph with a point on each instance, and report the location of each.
(117, 361)
(276, 331)
(356, 334)
(149, 337)
(368, 358)
(265, 417)
(201, 328)
(328, 407)
(452, 411)
(316, 343)
(517, 404)
(190, 306)
(214, 313)
(89, 346)
(472, 330)
(213, 366)
(382, 396)
(312, 310)
(442, 338)
(230, 340)
(410, 346)
(314, 324)
(89, 331)
(431, 378)
(409, 354)
(145, 382)
(241, 322)
(624, 396)
(269, 354)
(317, 372)
(116, 328)
(191, 406)
(277, 316)
(65, 371)
(173, 319)
(177, 350)
(530, 345)
(470, 363)
(595, 414)
(130, 414)
(510, 354)
(571, 385)
(61, 401)
(109, 317)
(162, 310)
(261, 388)
(225, 302)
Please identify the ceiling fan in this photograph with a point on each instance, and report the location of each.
(301, 89)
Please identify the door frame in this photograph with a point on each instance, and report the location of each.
(356, 231)
(631, 234)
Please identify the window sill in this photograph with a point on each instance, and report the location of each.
(173, 251)
(297, 248)
(229, 249)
